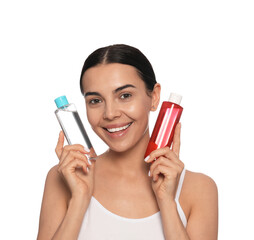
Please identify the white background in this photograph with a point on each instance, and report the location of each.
(200, 49)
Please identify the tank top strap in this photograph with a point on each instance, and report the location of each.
(180, 184)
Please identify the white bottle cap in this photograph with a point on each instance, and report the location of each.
(175, 98)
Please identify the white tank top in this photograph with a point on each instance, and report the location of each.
(101, 224)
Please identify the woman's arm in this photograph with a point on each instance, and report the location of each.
(70, 226)
(203, 219)
(57, 218)
(201, 196)
(67, 194)
(172, 225)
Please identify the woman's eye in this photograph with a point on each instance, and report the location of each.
(94, 101)
(125, 95)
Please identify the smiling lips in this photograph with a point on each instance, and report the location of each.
(118, 129)
(115, 128)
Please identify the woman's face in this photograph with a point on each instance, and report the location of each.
(117, 104)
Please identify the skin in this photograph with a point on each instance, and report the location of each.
(121, 171)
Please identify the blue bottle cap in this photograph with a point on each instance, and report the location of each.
(61, 101)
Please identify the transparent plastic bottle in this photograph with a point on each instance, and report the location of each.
(169, 116)
(72, 125)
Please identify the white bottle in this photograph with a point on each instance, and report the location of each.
(72, 125)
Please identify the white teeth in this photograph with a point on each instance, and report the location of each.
(118, 129)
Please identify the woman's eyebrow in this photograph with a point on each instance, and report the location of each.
(123, 87)
(115, 91)
(92, 93)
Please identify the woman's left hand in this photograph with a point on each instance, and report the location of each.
(166, 169)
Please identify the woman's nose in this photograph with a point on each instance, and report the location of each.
(111, 111)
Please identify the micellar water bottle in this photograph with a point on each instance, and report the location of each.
(169, 116)
(72, 125)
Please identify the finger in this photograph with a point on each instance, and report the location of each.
(73, 147)
(166, 152)
(60, 143)
(167, 172)
(160, 169)
(71, 167)
(164, 162)
(77, 147)
(74, 155)
(176, 140)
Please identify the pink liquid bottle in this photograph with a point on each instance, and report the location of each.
(165, 125)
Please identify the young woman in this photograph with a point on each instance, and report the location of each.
(121, 195)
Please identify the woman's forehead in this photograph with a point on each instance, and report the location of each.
(111, 76)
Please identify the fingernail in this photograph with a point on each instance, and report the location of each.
(87, 169)
(146, 159)
(87, 149)
(149, 173)
(89, 162)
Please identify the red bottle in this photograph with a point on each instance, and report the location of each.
(165, 125)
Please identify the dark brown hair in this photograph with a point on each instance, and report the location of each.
(124, 54)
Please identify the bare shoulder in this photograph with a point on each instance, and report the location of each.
(54, 182)
(54, 203)
(200, 198)
(199, 182)
(198, 188)
(55, 187)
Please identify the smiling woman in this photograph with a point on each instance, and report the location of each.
(122, 103)
(121, 196)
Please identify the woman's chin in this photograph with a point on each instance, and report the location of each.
(118, 149)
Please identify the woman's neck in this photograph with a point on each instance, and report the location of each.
(131, 162)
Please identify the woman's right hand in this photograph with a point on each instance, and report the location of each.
(75, 168)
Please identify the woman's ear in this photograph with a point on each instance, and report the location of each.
(156, 96)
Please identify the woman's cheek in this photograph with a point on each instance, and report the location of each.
(130, 109)
(92, 117)
(139, 109)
